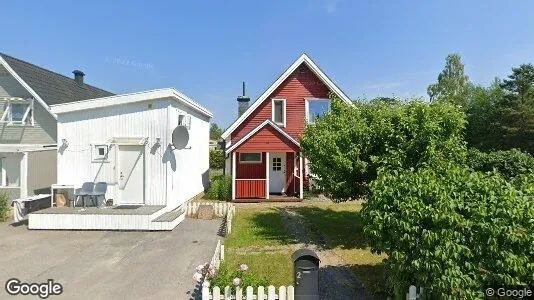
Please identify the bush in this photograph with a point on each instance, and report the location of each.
(220, 188)
(509, 163)
(216, 159)
(4, 206)
(225, 276)
(348, 146)
(452, 230)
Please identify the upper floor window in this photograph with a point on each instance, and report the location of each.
(279, 111)
(316, 109)
(18, 112)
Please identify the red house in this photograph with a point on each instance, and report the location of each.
(262, 147)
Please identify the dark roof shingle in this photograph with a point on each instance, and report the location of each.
(52, 87)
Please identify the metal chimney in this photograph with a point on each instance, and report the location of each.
(242, 102)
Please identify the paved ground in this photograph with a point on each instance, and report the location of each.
(107, 264)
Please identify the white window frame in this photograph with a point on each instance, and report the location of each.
(307, 107)
(27, 118)
(3, 175)
(184, 120)
(283, 124)
(251, 161)
(96, 157)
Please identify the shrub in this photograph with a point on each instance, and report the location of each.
(220, 188)
(509, 163)
(226, 276)
(4, 206)
(452, 230)
(216, 159)
(348, 146)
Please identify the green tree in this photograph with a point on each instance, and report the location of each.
(453, 84)
(349, 145)
(484, 127)
(517, 109)
(215, 131)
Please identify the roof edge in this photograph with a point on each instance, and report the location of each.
(129, 98)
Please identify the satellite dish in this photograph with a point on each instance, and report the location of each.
(180, 137)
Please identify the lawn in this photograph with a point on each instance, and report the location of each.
(340, 224)
(259, 240)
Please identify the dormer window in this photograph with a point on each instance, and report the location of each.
(279, 112)
(18, 111)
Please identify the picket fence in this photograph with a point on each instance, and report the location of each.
(221, 209)
(284, 293)
(413, 294)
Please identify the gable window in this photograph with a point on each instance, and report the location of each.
(279, 112)
(250, 158)
(18, 112)
(316, 109)
(10, 171)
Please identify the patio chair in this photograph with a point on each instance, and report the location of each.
(99, 190)
(87, 190)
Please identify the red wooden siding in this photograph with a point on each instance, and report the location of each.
(250, 171)
(250, 189)
(268, 139)
(303, 83)
(290, 175)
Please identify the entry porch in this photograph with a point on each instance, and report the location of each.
(275, 176)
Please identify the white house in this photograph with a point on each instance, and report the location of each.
(126, 141)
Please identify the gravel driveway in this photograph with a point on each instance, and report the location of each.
(108, 264)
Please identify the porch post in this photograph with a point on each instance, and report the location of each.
(301, 185)
(267, 164)
(233, 175)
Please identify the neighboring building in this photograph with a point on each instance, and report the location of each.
(262, 147)
(28, 134)
(130, 142)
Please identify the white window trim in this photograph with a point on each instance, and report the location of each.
(307, 106)
(251, 161)
(98, 158)
(283, 124)
(3, 174)
(7, 116)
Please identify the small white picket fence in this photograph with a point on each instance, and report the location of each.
(284, 293)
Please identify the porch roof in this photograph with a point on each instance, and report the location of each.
(266, 136)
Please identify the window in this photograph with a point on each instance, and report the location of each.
(316, 109)
(249, 158)
(10, 171)
(184, 120)
(100, 152)
(277, 164)
(18, 112)
(279, 111)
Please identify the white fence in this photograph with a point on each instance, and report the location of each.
(413, 294)
(221, 209)
(284, 293)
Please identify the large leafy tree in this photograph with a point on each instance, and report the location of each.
(452, 85)
(348, 146)
(517, 108)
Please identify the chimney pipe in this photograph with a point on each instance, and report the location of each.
(78, 76)
(242, 102)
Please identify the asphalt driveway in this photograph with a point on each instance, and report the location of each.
(108, 264)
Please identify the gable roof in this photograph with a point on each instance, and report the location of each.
(258, 128)
(130, 98)
(49, 87)
(303, 59)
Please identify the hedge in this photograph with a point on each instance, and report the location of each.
(509, 163)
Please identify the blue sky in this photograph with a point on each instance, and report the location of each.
(206, 48)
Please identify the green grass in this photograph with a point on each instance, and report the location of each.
(342, 228)
(259, 228)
